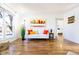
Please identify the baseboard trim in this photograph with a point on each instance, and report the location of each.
(71, 41)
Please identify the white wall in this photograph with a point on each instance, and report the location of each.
(20, 16)
(17, 25)
(50, 19)
(71, 31)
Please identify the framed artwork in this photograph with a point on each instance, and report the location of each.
(71, 19)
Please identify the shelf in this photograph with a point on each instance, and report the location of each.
(38, 25)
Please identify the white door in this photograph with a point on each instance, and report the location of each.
(60, 25)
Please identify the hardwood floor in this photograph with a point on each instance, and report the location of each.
(41, 47)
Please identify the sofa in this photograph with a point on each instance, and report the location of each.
(33, 34)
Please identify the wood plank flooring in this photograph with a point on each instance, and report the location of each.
(57, 46)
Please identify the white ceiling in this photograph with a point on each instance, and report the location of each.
(55, 8)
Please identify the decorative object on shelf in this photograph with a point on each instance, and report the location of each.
(38, 21)
(71, 19)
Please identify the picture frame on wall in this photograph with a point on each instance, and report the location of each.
(71, 19)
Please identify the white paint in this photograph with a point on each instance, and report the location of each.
(48, 11)
(71, 31)
(54, 8)
(50, 21)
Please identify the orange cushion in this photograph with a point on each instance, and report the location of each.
(33, 32)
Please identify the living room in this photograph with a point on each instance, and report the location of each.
(45, 22)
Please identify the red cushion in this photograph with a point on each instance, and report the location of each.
(29, 31)
(45, 32)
